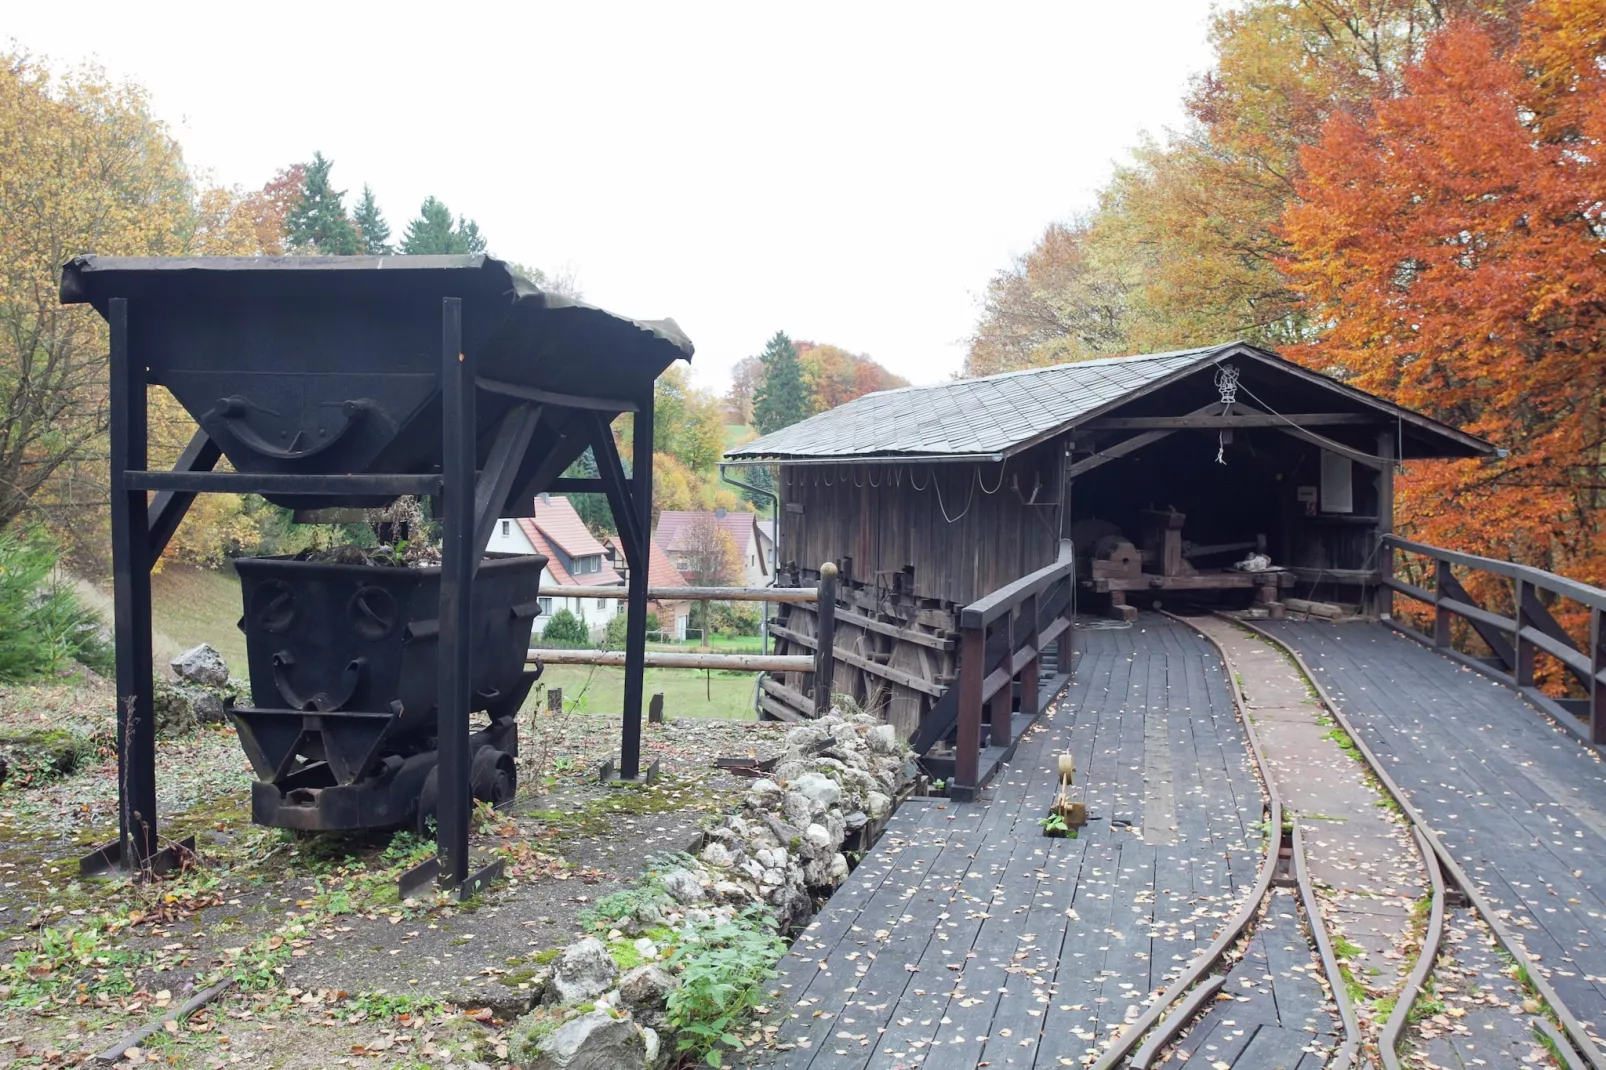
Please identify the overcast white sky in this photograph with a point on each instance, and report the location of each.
(849, 173)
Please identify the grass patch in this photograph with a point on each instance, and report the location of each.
(197, 605)
(687, 692)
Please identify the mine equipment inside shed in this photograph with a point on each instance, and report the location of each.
(972, 517)
(347, 382)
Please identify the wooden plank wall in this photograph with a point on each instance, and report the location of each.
(896, 652)
(964, 529)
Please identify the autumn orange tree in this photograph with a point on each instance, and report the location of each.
(1450, 246)
(86, 168)
(1183, 247)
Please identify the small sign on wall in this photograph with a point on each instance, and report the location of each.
(1338, 483)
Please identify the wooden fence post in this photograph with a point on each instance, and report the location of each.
(972, 670)
(999, 707)
(1442, 583)
(1597, 685)
(1524, 671)
(1030, 674)
(825, 640)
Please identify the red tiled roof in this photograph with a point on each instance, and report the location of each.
(557, 532)
(673, 524)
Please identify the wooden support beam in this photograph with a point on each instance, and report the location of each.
(870, 624)
(799, 703)
(825, 640)
(1359, 456)
(1131, 445)
(549, 397)
(169, 506)
(897, 676)
(674, 659)
(495, 482)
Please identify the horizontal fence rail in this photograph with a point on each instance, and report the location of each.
(1513, 641)
(819, 665)
(1002, 639)
(672, 659)
(691, 594)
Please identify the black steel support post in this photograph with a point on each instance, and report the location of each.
(457, 589)
(636, 623)
(131, 569)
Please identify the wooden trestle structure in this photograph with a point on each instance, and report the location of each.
(969, 520)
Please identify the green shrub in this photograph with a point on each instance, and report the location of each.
(722, 967)
(734, 618)
(43, 626)
(614, 637)
(565, 629)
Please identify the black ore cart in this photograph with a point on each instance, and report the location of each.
(349, 382)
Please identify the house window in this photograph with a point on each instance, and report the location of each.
(506, 527)
(592, 563)
(546, 607)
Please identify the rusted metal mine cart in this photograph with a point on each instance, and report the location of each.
(347, 382)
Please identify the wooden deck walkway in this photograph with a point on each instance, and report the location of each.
(1515, 799)
(965, 936)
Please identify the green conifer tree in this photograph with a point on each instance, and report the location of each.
(433, 232)
(317, 221)
(781, 399)
(374, 231)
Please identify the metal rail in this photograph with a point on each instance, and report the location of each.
(1207, 960)
(1388, 1040)
(1573, 1028)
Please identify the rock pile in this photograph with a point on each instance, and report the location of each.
(835, 776)
(199, 696)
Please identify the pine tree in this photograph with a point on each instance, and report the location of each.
(317, 222)
(433, 233)
(375, 232)
(781, 398)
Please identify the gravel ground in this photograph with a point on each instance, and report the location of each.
(335, 969)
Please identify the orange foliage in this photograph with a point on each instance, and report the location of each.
(1450, 247)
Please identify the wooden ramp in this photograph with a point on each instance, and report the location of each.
(1518, 802)
(967, 937)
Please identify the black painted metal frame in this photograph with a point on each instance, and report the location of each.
(470, 502)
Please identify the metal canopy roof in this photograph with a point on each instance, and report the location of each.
(990, 418)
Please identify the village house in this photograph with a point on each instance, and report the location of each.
(574, 559)
(752, 535)
(673, 615)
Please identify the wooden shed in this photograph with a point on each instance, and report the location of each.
(1164, 470)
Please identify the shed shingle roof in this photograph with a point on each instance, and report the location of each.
(991, 417)
(983, 416)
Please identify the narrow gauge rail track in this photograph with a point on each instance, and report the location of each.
(1192, 994)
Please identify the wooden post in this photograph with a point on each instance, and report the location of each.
(1597, 685)
(1443, 580)
(655, 709)
(998, 708)
(455, 645)
(1525, 650)
(636, 621)
(1383, 597)
(972, 670)
(1030, 700)
(825, 640)
(131, 571)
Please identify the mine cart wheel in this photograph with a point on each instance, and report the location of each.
(494, 776)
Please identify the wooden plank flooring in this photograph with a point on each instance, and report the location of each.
(966, 937)
(1514, 798)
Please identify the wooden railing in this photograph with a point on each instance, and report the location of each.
(1512, 641)
(819, 664)
(1002, 639)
